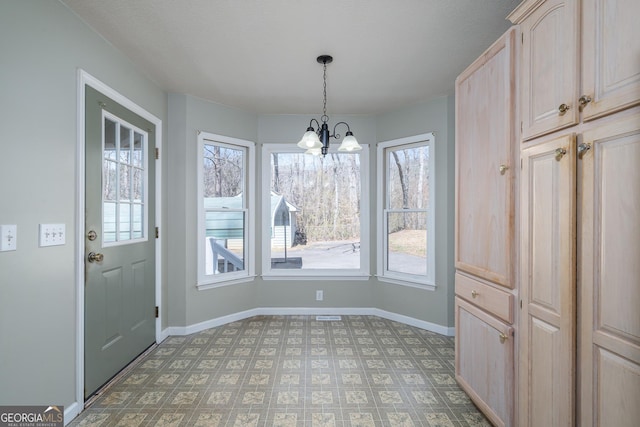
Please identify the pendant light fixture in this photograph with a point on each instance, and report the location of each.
(317, 143)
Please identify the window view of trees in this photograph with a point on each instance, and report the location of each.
(407, 204)
(323, 199)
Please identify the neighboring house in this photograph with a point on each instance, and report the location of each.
(283, 222)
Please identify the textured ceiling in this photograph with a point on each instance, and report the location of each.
(260, 55)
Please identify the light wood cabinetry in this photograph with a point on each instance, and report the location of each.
(486, 176)
(609, 268)
(579, 322)
(484, 367)
(556, 85)
(547, 287)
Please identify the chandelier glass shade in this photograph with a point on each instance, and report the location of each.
(317, 143)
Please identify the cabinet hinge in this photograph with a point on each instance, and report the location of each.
(520, 304)
(157, 232)
(157, 153)
(522, 37)
(157, 311)
(520, 163)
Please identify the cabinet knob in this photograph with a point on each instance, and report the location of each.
(563, 108)
(584, 100)
(503, 338)
(503, 169)
(583, 148)
(560, 152)
(474, 293)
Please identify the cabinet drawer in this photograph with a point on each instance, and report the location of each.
(495, 301)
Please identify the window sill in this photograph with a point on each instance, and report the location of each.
(212, 285)
(404, 282)
(317, 276)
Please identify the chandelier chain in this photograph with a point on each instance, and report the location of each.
(325, 118)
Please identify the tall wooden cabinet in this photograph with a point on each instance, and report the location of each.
(486, 173)
(579, 321)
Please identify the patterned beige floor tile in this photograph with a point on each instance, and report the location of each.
(400, 419)
(292, 370)
(131, 419)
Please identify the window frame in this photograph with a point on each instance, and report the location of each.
(326, 274)
(382, 272)
(209, 281)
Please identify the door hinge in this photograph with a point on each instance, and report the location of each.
(157, 233)
(157, 311)
(157, 153)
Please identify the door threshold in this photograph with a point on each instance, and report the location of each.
(102, 390)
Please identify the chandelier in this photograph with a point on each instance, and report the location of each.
(317, 143)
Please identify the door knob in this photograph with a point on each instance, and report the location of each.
(95, 257)
(474, 293)
(503, 338)
(560, 152)
(503, 169)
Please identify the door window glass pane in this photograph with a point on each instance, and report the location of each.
(123, 185)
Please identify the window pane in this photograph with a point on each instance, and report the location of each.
(110, 139)
(109, 181)
(408, 178)
(137, 185)
(407, 242)
(125, 222)
(315, 211)
(223, 171)
(225, 242)
(224, 204)
(125, 144)
(137, 221)
(109, 222)
(125, 182)
(138, 145)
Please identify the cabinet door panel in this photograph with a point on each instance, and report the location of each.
(549, 68)
(484, 361)
(609, 263)
(547, 318)
(485, 135)
(611, 56)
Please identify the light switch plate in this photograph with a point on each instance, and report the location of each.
(8, 237)
(52, 235)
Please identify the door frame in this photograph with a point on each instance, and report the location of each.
(85, 78)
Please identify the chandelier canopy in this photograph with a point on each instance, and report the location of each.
(317, 143)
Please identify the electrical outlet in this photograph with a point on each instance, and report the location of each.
(8, 237)
(52, 234)
(319, 295)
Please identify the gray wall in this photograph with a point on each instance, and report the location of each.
(42, 45)
(436, 116)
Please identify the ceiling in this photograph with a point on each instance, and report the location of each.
(260, 55)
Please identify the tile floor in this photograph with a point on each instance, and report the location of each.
(290, 371)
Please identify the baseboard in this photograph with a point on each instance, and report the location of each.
(71, 411)
(306, 311)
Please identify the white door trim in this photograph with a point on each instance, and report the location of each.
(85, 78)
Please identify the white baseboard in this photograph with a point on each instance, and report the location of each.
(306, 311)
(72, 411)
